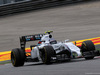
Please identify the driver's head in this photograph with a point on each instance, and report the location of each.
(48, 39)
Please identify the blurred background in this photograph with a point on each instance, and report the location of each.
(10, 1)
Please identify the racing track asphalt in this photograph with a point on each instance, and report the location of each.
(75, 21)
(75, 67)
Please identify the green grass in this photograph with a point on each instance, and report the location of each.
(5, 62)
(98, 49)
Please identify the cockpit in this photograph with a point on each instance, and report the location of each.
(48, 39)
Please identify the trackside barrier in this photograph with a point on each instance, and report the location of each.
(29, 5)
(18, 7)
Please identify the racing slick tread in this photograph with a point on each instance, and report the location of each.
(22, 57)
(47, 54)
(88, 46)
(17, 57)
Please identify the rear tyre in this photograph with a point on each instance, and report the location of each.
(46, 54)
(17, 57)
(88, 48)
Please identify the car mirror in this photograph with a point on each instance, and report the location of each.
(66, 40)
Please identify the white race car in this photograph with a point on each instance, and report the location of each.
(49, 50)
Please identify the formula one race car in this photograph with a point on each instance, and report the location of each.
(48, 50)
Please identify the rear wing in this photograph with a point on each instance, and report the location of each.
(27, 38)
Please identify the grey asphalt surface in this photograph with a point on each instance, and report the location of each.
(75, 21)
(75, 67)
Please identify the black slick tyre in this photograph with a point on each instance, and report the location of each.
(47, 53)
(88, 46)
(17, 57)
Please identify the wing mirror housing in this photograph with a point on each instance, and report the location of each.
(67, 40)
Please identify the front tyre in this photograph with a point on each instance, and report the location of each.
(46, 53)
(88, 49)
(17, 57)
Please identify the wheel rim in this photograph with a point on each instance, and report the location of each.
(13, 60)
